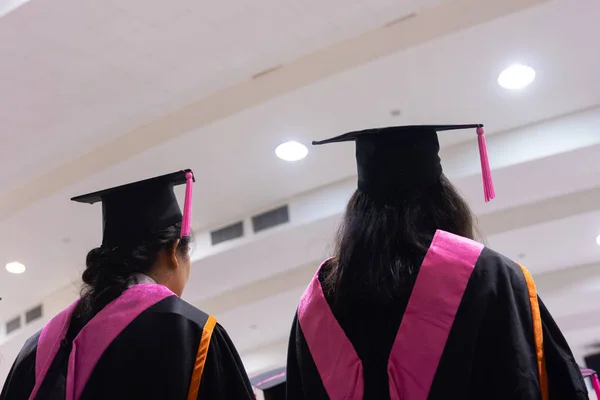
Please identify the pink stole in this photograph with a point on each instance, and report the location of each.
(94, 338)
(422, 335)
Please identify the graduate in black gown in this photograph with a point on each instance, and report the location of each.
(130, 336)
(411, 307)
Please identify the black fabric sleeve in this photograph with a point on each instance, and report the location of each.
(224, 376)
(507, 361)
(21, 378)
(564, 377)
(303, 381)
(507, 364)
(293, 376)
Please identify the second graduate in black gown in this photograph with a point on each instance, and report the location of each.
(410, 307)
(130, 336)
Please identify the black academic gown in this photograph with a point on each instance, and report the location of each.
(153, 358)
(489, 354)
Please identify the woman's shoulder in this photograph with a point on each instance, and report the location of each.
(492, 260)
(499, 270)
(488, 264)
(29, 349)
(173, 307)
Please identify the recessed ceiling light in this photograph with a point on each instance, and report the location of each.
(15, 268)
(515, 77)
(291, 151)
(598, 240)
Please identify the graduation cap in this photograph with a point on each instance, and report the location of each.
(393, 161)
(130, 212)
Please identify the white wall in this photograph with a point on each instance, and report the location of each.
(10, 345)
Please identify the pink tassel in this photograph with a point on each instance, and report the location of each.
(187, 205)
(596, 385)
(486, 172)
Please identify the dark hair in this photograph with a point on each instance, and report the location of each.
(109, 271)
(381, 243)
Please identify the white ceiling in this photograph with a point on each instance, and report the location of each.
(97, 94)
(123, 63)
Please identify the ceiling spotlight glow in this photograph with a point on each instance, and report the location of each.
(291, 151)
(598, 240)
(515, 77)
(15, 268)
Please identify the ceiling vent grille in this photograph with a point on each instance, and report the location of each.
(33, 314)
(13, 325)
(227, 233)
(271, 219)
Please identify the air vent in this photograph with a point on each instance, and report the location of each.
(228, 233)
(13, 325)
(271, 218)
(33, 314)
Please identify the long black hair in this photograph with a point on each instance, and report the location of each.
(382, 242)
(109, 271)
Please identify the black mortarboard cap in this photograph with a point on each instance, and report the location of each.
(393, 161)
(131, 212)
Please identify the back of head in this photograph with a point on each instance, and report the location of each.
(110, 270)
(382, 241)
(141, 220)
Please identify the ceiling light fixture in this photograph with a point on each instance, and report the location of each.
(598, 240)
(15, 268)
(291, 151)
(515, 77)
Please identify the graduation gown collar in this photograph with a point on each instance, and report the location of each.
(142, 279)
